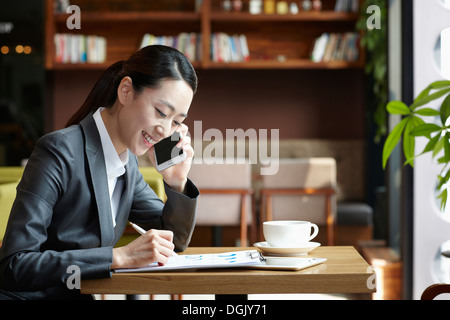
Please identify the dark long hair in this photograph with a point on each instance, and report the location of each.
(146, 68)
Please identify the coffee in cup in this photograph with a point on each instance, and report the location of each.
(289, 233)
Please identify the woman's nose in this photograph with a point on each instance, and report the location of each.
(163, 130)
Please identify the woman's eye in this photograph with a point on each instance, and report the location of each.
(162, 114)
(177, 123)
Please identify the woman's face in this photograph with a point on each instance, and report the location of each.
(153, 114)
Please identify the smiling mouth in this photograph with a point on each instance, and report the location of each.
(148, 138)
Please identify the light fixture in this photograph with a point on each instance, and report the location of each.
(19, 49)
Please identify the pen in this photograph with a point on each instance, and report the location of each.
(142, 231)
(137, 228)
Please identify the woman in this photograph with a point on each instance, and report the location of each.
(82, 184)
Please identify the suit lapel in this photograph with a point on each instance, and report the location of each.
(123, 210)
(97, 168)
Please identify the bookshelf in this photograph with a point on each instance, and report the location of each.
(275, 41)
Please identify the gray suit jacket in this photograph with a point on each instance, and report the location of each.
(62, 215)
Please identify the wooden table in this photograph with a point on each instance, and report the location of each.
(345, 271)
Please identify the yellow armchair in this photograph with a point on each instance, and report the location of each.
(7, 196)
(10, 174)
(10, 177)
(155, 181)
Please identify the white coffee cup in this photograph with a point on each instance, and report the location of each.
(289, 233)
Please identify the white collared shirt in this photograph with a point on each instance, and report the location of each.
(115, 165)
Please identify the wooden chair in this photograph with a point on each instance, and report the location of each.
(303, 189)
(434, 290)
(226, 195)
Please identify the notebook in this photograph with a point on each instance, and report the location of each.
(233, 259)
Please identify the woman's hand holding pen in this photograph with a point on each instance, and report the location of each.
(152, 246)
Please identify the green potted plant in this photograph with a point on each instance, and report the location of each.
(375, 43)
(430, 123)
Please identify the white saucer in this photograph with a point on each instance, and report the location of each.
(267, 249)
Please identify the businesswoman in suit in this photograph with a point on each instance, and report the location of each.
(82, 184)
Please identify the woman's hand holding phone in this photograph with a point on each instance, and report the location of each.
(176, 176)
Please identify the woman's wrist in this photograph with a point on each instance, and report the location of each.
(117, 260)
(178, 186)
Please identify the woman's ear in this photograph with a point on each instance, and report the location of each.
(125, 90)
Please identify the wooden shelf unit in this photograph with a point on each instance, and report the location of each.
(275, 41)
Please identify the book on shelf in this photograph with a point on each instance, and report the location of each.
(225, 48)
(336, 47)
(78, 48)
(60, 6)
(347, 6)
(187, 43)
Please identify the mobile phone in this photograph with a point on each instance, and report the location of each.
(167, 153)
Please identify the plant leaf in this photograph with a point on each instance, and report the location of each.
(433, 86)
(428, 98)
(408, 140)
(440, 84)
(429, 147)
(423, 94)
(442, 180)
(431, 144)
(445, 110)
(438, 147)
(441, 160)
(392, 140)
(446, 148)
(425, 130)
(429, 112)
(443, 196)
(398, 107)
